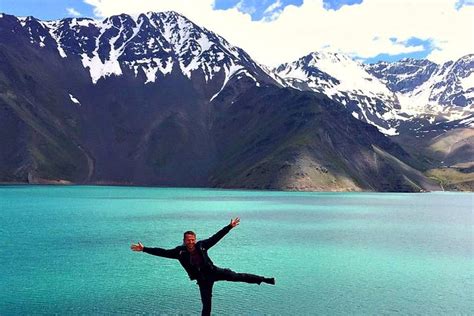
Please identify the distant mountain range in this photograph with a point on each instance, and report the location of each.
(155, 99)
(399, 97)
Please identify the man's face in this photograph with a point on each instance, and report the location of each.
(189, 241)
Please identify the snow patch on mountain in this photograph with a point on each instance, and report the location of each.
(294, 73)
(74, 100)
(52, 28)
(152, 66)
(229, 72)
(469, 121)
(392, 131)
(84, 22)
(468, 82)
(23, 20)
(41, 44)
(349, 74)
(100, 69)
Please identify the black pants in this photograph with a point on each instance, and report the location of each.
(218, 274)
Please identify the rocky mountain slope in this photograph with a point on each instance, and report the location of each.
(417, 103)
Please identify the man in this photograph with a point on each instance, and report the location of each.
(193, 257)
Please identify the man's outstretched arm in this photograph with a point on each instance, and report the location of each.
(211, 241)
(166, 253)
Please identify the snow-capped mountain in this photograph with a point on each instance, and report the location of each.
(406, 95)
(441, 92)
(409, 94)
(151, 45)
(344, 80)
(154, 99)
(403, 76)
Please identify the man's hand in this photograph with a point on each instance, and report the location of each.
(137, 247)
(234, 222)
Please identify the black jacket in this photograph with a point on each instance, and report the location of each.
(183, 255)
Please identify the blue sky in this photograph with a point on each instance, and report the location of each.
(45, 9)
(57, 9)
(257, 7)
(301, 26)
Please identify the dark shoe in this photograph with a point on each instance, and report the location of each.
(269, 281)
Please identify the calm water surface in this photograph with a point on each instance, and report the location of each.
(65, 250)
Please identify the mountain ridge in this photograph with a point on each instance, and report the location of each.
(387, 95)
(212, 118)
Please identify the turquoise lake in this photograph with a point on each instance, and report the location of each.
(66, 250)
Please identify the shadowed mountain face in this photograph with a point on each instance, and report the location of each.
(110, 132)
(281, 138)
(159, 101)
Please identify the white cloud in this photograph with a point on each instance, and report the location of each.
(272, 12)
(277, 4)
(244, 8)
(364, 29)
(73, 12)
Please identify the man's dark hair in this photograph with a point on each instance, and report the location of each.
(189, 232)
